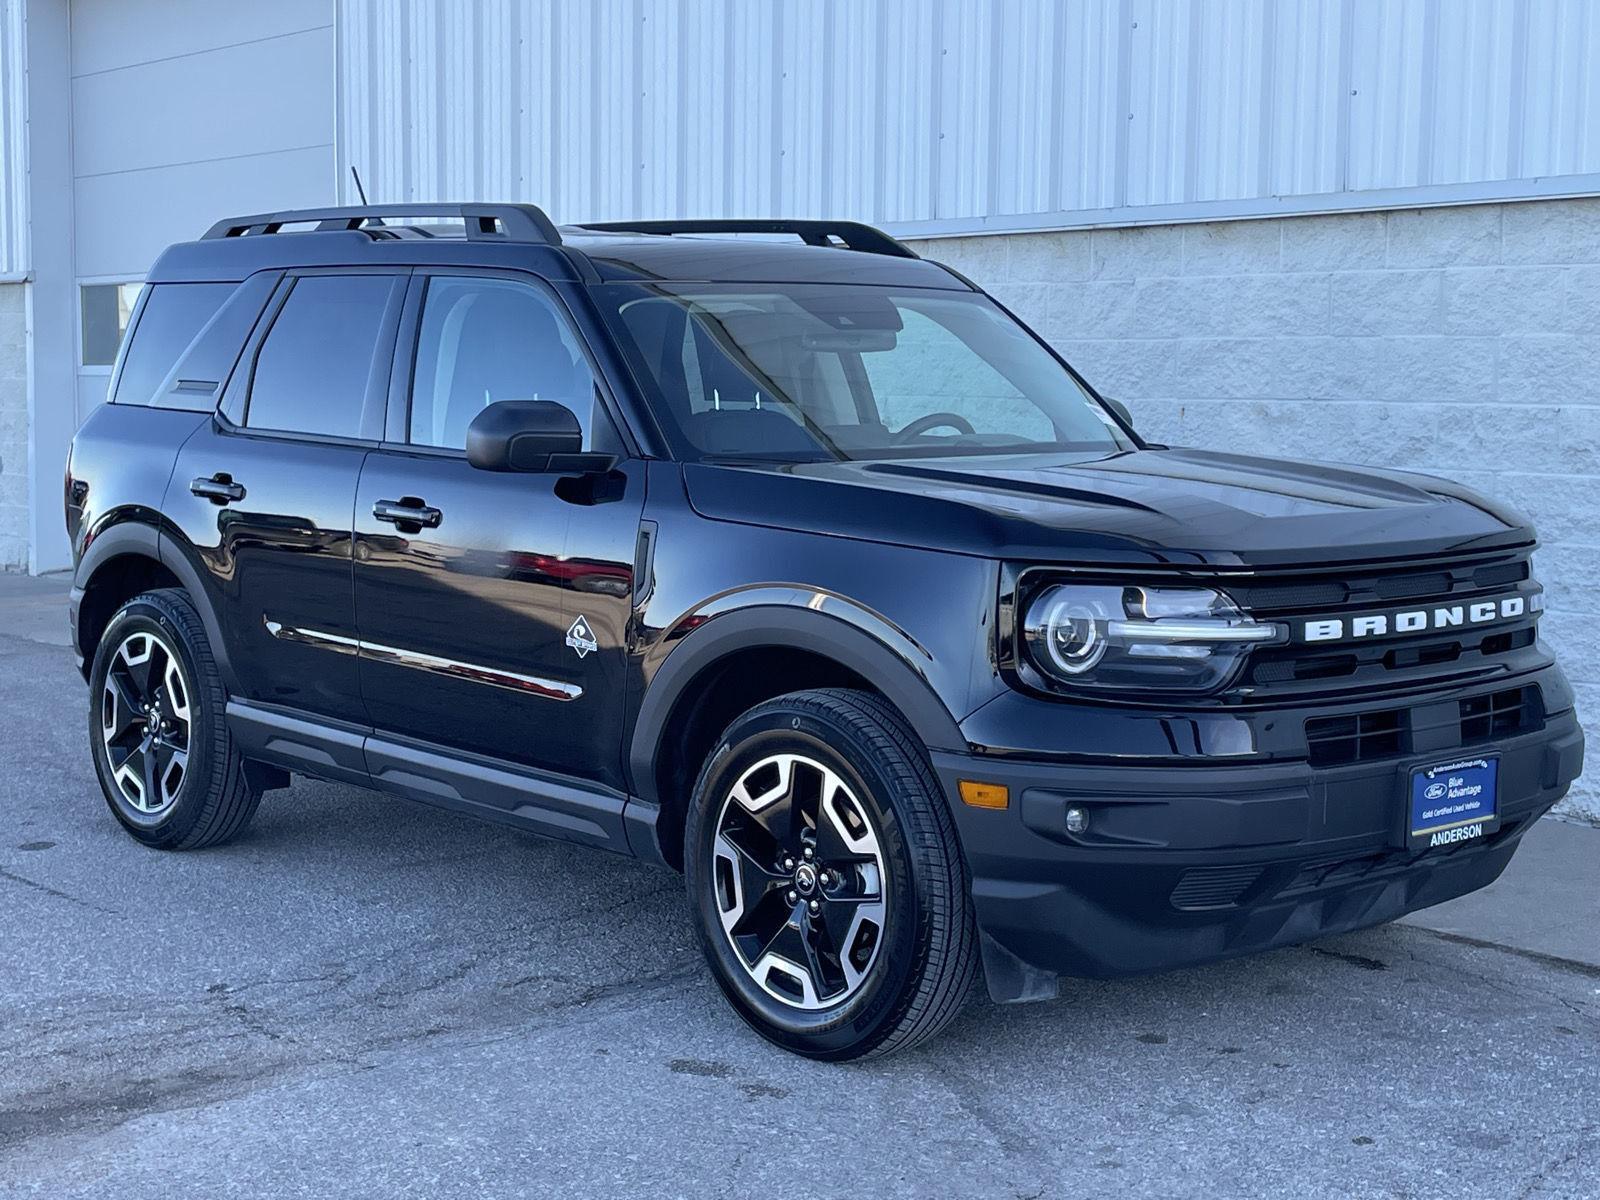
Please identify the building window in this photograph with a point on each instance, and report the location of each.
(105, 309)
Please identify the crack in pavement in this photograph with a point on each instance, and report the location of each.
(1573, 965)
(27, 1119)
(57, 893)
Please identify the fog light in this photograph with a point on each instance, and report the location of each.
(1077, 820)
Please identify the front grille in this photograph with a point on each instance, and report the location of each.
(1361, 587)
(1455, 653)
(1362, 737)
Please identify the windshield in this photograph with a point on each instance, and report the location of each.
(806, 373)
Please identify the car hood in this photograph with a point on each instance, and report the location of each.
(1150, 507)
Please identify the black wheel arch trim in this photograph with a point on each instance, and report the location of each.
(136, 539)
(840, 634)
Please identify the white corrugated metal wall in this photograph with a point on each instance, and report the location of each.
(950, 115)
(13, 142)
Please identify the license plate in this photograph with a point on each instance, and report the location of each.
(1454, 802)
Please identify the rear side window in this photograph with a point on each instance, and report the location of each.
(315, 367)
(173, 314)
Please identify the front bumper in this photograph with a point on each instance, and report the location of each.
(1185, 864)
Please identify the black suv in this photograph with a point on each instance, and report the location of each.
(793, 561)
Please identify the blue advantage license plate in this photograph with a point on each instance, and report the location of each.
(1454, 802)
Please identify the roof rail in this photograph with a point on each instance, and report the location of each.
(853, 234)
(484, 222)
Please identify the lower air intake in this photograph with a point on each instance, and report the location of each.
(1213, 887)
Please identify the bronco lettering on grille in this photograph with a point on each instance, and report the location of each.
(1421, 620)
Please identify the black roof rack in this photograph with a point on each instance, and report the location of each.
(853, 234)
(484, 222)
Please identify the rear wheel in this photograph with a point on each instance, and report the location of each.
(161, 747)
(832, 898)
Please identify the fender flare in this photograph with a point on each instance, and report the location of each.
(116, 541)
(125, 538)
(851, 636)
(137, 539)
(194, 582)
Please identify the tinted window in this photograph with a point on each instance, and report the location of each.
(486, 340)
(314, 368)
(172, 316)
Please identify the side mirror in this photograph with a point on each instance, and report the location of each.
(1121, 409)
(530, 435)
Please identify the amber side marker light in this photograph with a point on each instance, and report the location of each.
(984, 795)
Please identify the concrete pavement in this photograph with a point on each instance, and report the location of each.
(367, 998)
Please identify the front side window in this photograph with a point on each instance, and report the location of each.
(804, 372)
(315, 366)
(484, 340)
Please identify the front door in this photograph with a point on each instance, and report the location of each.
(493, 608)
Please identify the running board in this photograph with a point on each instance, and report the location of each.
(541, 802)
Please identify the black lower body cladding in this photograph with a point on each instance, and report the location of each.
(1177, 865)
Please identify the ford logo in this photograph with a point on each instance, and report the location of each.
(1434, 791)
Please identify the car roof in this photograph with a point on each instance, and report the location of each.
(738, 258)
(521, 237)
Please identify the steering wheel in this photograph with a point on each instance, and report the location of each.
(936, 420)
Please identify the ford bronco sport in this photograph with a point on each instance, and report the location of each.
(798, 564)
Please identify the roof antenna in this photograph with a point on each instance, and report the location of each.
(360, 191)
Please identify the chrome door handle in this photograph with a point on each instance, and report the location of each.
(407, 511)
(219, 489)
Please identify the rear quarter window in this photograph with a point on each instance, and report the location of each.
(171, 318)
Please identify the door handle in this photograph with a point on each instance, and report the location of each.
(407, 511)
(219, 489)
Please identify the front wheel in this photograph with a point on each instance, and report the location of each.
(831, 896)
(157, 728)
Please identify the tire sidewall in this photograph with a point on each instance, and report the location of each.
(144, 615)
(850, 1028)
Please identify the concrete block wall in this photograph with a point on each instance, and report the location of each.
(1462, 342)
(13, 427)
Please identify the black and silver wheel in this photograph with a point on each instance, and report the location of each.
(161, 747)
(145, 723)
(832, 897)
(800, 881)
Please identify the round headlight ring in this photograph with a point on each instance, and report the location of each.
(1073, 638)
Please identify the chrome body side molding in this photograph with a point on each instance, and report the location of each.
(549, 689)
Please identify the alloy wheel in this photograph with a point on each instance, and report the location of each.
(800, 881)
(145, 722)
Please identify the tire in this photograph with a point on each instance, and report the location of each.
(820, 962)
(172, 777)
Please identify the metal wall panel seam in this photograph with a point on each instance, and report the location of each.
(1341, 179)
(1429, 97)
(1124, 94)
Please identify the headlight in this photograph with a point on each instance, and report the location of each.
(1109, 638)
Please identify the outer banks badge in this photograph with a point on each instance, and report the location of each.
(581, 638)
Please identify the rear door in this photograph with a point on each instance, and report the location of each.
(496, 621)
(264, 492)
